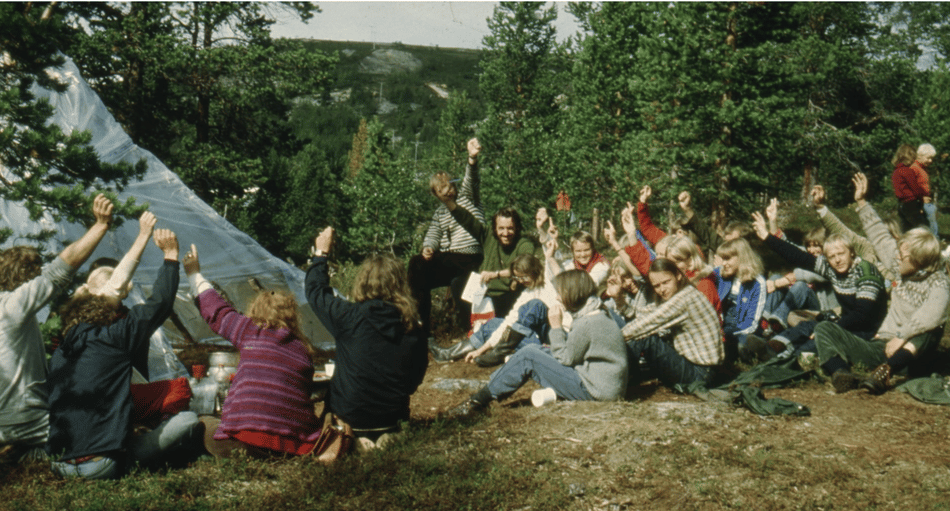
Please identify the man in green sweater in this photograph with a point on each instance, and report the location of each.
(500, 245)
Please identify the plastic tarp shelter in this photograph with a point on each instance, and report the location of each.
(229, 257)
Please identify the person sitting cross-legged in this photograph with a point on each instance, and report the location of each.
(90, 396)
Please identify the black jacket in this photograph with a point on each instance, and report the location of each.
(90, 402)
(378, 364)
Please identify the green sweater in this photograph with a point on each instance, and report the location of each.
(497, 258)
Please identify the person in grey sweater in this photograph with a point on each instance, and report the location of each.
(25, 288)
(587, 364)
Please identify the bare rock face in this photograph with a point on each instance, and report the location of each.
(385, 61)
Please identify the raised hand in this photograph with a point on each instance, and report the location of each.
(686, 202)
(102, 209)
(610, 234)
(758, 223)
(190, 262)
(771, 213)
(147, 224)
(860, 187)
(645, 193)
(550, 246)
(552, 229)
(540, 217)
(166, 240)
(474, 148)
(324, 241)
(818, 196)
(626, 221)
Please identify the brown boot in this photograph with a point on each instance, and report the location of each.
(879, 380)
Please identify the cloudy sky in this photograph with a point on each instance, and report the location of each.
(449, 24)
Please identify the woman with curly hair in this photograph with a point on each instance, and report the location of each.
(268, 409)
(381, 356)
(90, 397)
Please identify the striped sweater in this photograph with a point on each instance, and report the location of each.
(270, 392)
(447, 235)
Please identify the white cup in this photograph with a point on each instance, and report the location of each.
(542, 397)
(329, 368)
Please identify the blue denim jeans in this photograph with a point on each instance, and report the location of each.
(532, 323)
(174, 433)
(664, 362)
(534, 363)
(783, 301)
(930, 209)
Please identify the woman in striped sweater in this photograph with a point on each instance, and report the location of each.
(268, 409)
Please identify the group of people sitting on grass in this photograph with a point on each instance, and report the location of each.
(584, 325)
(86, 413)
(682, 305)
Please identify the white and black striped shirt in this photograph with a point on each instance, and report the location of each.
(447, 235)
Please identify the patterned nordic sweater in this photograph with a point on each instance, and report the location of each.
(860, 291)
(447, 235)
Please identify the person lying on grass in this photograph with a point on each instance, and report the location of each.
(681, 339)
(267, 410)
(589, 363)
(527, 323)
(913, 326)
(90, 397)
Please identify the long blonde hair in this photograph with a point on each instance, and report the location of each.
(750, 264)
(278, 309)
(681, 248)
(383, 277)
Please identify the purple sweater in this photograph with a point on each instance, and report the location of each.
(270, 392)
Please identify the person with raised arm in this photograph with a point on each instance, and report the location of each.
(381, 356)
(585, 258)
(501, 243)
(26, 286)
(449, 251)
(267, 410)
(914, 323)
(858, 285)
(833, 225)
(90, 397)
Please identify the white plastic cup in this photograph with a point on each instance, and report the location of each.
(329, 368)
(542, 397)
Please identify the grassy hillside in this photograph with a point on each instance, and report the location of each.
(415, 108)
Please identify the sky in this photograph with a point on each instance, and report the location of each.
(446, 24)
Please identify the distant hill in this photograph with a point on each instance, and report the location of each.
(415, 82)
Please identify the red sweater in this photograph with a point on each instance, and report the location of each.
(907, 184)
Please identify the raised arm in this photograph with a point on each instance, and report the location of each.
(884, 243)
(471, 183)
(122, 274)
(144, 319)
(708, 237)
(833, 225)
(76, 253)
(794, 255)
(651, 232)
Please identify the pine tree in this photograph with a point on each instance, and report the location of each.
(45, 169)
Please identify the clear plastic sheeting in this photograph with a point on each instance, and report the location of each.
(229, 257)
